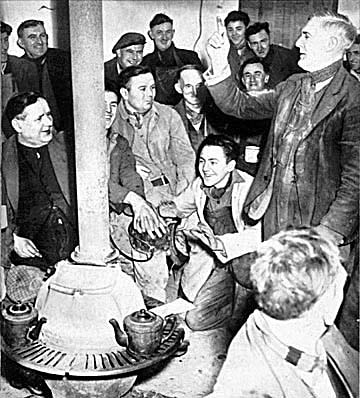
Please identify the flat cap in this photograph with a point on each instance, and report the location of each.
(129, 39)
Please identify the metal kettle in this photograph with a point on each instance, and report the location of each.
(144, 331)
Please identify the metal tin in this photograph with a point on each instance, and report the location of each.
(16, 321)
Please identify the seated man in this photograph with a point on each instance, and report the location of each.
(236, 23)
(129, 51)
(217, 198)
(353, 58)
(280, 61)
(39, 188)
(279, 352)
(39, 183)
(166, 59)
(163, 154)
(126, 188)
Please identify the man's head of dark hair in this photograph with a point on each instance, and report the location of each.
(256, 28)
(230, 148)
(254, 60)
(5, 28)
(17, 104)
(111, 86)
(30, 23)
(234, 16)
(159, 19)
(130, 72)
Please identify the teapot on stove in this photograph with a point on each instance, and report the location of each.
(143, 331)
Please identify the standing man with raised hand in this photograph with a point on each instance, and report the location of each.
(166, 59)
(309, 172)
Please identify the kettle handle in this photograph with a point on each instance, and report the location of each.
(170, 320)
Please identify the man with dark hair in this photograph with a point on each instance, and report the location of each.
(39, 187)
(165, 61)
(163, 154)
(39, 183)
(129, 51)
(254, 75)
(286, 347)
(53, 71)
(17, 75)
(236, 23)
(281, 61)
(353, 58)
(216, 199)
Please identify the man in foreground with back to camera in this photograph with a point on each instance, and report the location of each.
(287, 348)
(309, 172)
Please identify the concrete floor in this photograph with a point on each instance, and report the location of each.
(191, 375)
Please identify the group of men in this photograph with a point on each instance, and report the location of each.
(180, 133)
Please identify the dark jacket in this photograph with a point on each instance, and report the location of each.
(111, 72)
(59, 69)
(164, 65)
(64, 169)
(282, 63)
(235, 60)
(24, 73)
(326, 159)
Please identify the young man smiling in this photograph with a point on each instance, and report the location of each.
(216, 198)
(166, 59)
(236, 23)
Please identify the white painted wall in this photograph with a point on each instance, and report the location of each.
(120, 16)
(135, 15)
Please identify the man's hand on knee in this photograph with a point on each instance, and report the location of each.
(25, 247)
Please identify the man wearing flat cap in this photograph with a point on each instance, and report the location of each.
(129, 52)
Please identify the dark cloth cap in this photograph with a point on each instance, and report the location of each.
(129, 39)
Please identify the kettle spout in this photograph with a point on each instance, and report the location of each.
(120, 336)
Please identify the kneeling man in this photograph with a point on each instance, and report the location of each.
(217, 198)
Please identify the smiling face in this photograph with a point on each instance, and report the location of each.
(111, 102)
(254, 77)
(129, 56)
(235, 31)
(139, 96)
(4, 46)
(162, 35)
(313, 44)
(34, 41)
(34, 125)
(260, 43)
(353, 57)
(214, 168)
